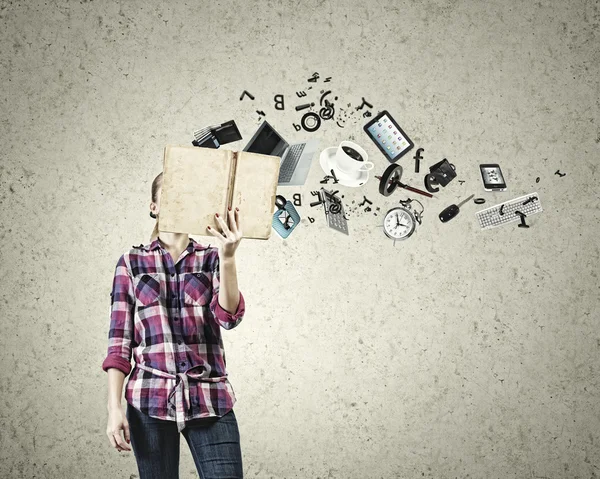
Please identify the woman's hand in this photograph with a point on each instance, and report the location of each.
(117, 421)
(229, 239)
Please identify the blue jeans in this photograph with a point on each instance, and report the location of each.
(214, 443)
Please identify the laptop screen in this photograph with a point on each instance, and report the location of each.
(266, 141)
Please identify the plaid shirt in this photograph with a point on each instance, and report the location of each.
(168, 315)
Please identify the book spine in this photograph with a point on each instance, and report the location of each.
(234, 161)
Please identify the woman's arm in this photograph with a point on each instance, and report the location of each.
(116, 378)
(117, 418)
(228, 303)
(229, 293)
(122, 308)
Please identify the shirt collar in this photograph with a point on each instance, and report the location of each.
(192, 246)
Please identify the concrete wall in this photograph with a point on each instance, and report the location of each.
(457, 353)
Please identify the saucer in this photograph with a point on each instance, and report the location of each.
(327, 161)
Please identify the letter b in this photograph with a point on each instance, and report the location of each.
(278, 101)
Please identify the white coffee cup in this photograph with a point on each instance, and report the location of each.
(351, 159)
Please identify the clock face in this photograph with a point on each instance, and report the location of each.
(399, 223)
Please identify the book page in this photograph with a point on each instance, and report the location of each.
(195, 187)
(254, 193)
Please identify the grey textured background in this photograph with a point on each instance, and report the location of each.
(457, 353)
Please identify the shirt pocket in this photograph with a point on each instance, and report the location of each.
(197, 288)
(147, 289)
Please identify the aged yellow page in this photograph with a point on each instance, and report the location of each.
(195, 184)
(254, 192)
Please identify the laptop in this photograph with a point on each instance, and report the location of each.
(295, 159)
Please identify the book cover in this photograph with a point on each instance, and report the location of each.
(199, 182)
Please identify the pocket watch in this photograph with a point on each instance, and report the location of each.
(400, 222)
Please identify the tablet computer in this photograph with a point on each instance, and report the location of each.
(388, 136)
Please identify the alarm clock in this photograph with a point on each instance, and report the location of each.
(399, 223)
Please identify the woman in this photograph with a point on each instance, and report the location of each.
(169, 301)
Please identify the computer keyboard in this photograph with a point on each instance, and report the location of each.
(506, 212)
(287, 168)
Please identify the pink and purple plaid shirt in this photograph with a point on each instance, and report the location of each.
(169, 317)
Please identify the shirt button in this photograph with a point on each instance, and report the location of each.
(179, 341)
(183, 364)
(172, 274)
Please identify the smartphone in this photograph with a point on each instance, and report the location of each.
(493, 179)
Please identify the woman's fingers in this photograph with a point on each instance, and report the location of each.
(215, 233)
(122, 444)
(224, 226)
(232, 233)
(126, 432)
(237, 221)
(232, 222)
(117, 441)
(115, 444)
(112, 441)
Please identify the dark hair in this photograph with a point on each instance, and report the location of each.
(156, 184)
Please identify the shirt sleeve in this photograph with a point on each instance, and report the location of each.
(226, 319)
(121, 320)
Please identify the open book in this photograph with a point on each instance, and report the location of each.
(199, 182)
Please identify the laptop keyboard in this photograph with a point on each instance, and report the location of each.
(287, 168)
